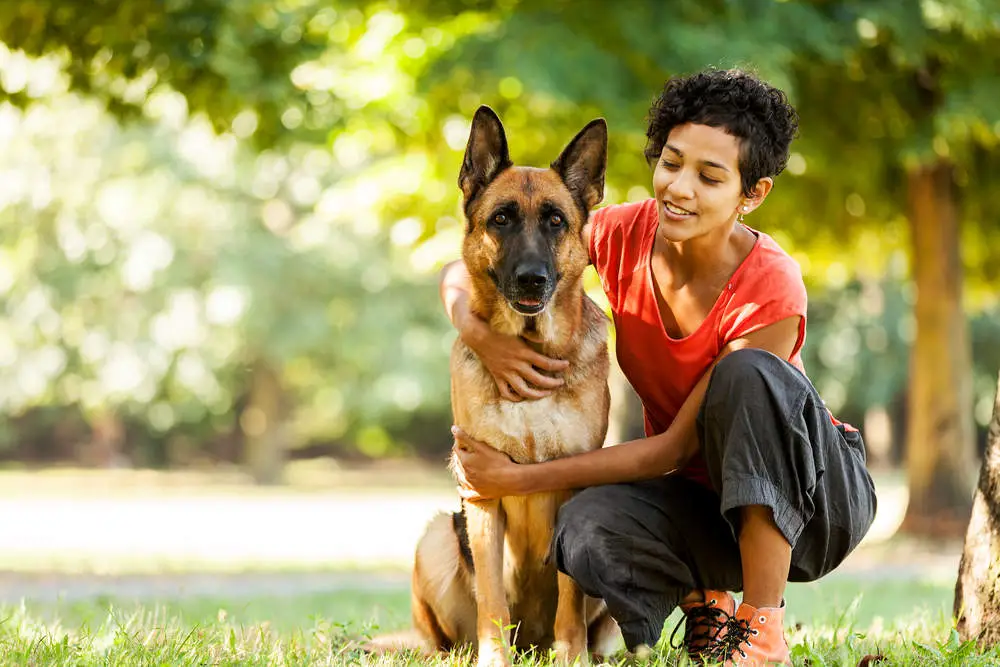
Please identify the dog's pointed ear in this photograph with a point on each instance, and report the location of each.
(486, 154)
(583, 162)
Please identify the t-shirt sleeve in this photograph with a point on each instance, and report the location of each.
(599, 229)
(614, 232)
(773, 291)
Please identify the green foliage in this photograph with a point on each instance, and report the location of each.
(227, 57)
(284, 189)
(147, 268)
(879, 86)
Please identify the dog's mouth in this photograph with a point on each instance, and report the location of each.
(530, 301)
(527, 306)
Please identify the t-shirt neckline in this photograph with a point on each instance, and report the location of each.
(650, 242)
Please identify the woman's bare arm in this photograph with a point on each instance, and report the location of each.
(490, 474)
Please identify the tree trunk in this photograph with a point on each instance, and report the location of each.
(262, 422)
(940, 436)
(104, 450)
(977, 593)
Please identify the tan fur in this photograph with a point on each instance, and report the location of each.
(443, 608)
(514, 580)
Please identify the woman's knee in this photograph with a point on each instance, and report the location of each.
(746, 367)
(751, 398)
(751, 374)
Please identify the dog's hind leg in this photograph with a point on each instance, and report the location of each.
(604, 637)
(571, 625)
(485, 525)
(443, 607)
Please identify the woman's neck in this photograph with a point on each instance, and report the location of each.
(706, 257)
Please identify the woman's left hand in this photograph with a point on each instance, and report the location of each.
(483, 473)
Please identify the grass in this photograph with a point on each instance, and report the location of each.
(217, 521)
(835, 622)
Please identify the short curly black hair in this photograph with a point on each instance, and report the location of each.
(755, 112)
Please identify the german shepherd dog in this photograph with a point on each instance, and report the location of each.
(488, 566)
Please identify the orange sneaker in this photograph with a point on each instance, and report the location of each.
(705, 623)
(756, 637)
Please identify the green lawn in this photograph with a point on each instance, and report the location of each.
(834, 622)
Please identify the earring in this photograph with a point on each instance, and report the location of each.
(743, 210)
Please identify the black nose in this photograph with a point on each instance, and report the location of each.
(532, 277)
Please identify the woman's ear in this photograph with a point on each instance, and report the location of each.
(760, 192)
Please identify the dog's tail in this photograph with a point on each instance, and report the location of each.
(397, 642)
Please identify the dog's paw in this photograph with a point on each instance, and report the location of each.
(571, 653)
(491, 654)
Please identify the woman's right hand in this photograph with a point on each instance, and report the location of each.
(513, 363)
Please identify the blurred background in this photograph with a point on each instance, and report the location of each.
(221, 222)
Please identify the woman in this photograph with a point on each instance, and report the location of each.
(745, 481)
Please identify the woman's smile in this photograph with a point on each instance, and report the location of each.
(675, 212)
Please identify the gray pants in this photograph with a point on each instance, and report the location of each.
(767, 439)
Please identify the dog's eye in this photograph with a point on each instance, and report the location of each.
(556, 220)
(500, 219)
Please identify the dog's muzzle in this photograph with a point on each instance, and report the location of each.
(530, 289)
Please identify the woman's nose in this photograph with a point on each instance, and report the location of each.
(681, 185)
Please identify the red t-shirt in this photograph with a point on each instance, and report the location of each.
(766, 288)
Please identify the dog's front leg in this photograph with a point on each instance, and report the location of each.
(485, 526)
(571, 623)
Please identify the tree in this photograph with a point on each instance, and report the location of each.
(927, 68)
(977, 594)
(221, 288)
(226, 58)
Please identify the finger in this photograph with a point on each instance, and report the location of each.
(469, 494)
(511, 389)
(463, 443)
(469, 443)
(506, 392)
(541, 381)
(533, 336)
(521, 387)
(547, 363)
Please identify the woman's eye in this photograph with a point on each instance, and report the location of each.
(556, 220)
(500, 219)
(669, 165)
(711, 181)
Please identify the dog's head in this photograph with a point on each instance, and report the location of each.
(525, 225)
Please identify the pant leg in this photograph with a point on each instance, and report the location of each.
(767, 439)
(643, 547)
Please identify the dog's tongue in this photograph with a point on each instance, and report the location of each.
(531, 303)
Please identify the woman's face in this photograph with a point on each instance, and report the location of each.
(697, 182)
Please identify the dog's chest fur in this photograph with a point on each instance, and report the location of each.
(572, 420)
(532, 431)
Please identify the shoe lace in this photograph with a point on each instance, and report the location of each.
(738, 634)
(702, 625)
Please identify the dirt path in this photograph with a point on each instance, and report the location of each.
(163, 542)
(70, 588)
(903, 562)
